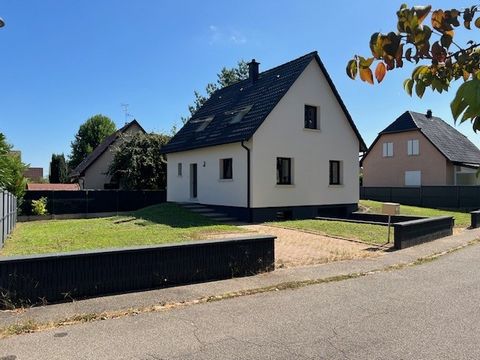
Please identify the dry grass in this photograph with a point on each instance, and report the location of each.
(299, 248)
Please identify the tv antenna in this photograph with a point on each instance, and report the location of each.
(125, 111)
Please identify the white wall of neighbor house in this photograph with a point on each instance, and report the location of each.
(96, 174)
(466, 176)
(211, 189)
(283, 134)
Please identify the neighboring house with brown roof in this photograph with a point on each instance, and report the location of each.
(53, 187)
(92, 172)
(420, 149)
(34, 173)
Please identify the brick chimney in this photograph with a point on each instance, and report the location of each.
(253, 70)
(429, 114)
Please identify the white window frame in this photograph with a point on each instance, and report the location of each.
(387, 149)
(413, 147)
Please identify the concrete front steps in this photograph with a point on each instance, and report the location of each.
(208, 212)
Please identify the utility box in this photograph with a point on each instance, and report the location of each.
(391, 208)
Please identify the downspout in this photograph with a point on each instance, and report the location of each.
(248, 182)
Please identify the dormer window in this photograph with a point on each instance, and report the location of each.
(238, 115)
(311, 117)
(203, 123)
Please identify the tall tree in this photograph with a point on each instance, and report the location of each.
(89, 136)
(442, 59)
(138, 163)
(226, 77)
(11, 169)
(58, 169)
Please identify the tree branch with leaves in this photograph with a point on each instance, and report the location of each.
(439, 58)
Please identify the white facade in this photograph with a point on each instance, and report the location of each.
(282, 134)
(210, 188)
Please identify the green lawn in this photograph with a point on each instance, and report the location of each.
(373, 234)
(462, 219)
(159, 224)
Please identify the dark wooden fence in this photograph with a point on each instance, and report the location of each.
(63, 277)
(93, 201)
(414, 232)
(8, 215)
(450, 197)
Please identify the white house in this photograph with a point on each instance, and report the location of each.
(92, 172)
(278, 144)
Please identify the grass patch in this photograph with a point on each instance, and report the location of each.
(372, 234)
(462, 219)
(158, 224)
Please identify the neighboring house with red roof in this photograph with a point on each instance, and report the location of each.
(53, 187)
(92, 172)
(420, 149)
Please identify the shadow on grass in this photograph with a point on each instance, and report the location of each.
(170, 215)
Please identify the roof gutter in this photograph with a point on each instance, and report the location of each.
(248, 182)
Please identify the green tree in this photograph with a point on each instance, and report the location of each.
(226, 77)
(11, 169)
(439, 58)
(89, 136)
(58, 169)
(138, 163)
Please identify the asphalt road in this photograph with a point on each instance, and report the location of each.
(430, 311)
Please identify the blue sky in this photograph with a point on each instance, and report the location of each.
(64, 61)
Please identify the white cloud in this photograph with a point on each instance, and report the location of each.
(220, 36)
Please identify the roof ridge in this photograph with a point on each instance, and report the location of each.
(310, 54)
(439, 118)
(313, 53)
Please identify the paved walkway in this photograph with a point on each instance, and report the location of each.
(192, 292)
(299, 248)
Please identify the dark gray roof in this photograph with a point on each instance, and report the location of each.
(450, 142)
(100, 149)
(262, 95)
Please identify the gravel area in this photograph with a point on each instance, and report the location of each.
(298, 248)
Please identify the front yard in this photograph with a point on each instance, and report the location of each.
(371, 234)
(159, 224)
(169, 223)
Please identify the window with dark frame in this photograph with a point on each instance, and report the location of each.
(179, 169)
(284, 171)
(335, 172)
(226, 169)
(311, 117)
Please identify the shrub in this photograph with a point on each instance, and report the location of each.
(39, 207)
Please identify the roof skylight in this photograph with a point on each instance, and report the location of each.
(204, 122)
(237, 115)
